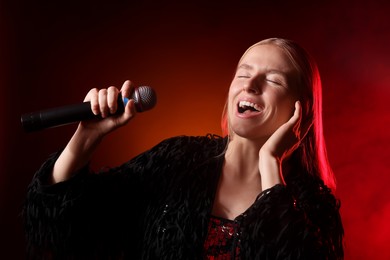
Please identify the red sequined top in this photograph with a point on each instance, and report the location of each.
(222, 241)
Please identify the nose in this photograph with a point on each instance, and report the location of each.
(252, 87)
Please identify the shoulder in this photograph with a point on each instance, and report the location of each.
(314, 192)
(314, 198)
(200, 140)
(321, 210)
(181, 148)
(193, 144)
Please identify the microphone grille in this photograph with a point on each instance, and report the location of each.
(144, 98)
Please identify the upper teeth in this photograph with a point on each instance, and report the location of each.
(249, 104)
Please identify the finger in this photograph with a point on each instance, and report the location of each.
(298, 110)
(93, 98)
(112, 99)
(103, 102)
(130, 111)
(295, 119)
(301, 128)
(127, 88)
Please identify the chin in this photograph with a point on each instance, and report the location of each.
(250, 134)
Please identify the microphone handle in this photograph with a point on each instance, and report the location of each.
(64, 115)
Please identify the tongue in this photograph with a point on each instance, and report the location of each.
(246, 110)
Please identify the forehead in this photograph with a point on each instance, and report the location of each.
(267, 57)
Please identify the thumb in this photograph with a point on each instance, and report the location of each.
(127, 88)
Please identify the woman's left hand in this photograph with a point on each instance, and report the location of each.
(281, 144)
(288, 136)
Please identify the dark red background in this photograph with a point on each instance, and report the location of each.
(53, 52)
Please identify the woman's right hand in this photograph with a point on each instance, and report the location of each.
(104, 103)
(90, 132)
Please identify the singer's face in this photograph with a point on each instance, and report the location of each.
(262, 93)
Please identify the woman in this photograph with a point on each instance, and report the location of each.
(262, 192)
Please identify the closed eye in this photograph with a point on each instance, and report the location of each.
(274, 81)
(276, 78)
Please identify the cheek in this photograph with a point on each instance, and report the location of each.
(234, 89)
(232, 93)
(283, 104)
(237, 84)
(285, 109)
(230, 108)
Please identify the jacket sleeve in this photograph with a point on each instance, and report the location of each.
(297, 221)
(77, 217)
(91, 214)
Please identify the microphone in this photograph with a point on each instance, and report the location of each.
(144, 99)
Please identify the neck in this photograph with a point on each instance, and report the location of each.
(242, 158)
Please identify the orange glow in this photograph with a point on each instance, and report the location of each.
(54, 53)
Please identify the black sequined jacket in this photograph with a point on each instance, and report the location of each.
(158, 205)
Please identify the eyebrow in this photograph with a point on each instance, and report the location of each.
(245, 66)
(250, 67)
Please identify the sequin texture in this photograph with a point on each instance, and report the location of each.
(222, 242)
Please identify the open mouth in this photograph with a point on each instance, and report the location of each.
(248, 107)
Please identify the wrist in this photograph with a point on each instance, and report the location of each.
(76, 154)
(270, 170)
